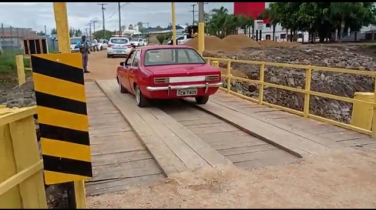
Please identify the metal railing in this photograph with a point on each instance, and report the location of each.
(21, 174)
(306, 90)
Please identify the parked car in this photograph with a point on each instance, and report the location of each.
(180, 39)
(118, 46)
(167, 72)
(73, 42)
(102, 44)
(138, 42)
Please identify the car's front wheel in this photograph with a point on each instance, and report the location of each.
(202, 99)
(108, 56)
(141, 100)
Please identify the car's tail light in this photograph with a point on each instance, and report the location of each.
(161, 80)
(110, 45)
(128, 45)
(212, 78)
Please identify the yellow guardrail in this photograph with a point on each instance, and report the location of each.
(21, 174)
(21, 68)
(361, 105)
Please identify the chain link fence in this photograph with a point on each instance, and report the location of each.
(11, 39)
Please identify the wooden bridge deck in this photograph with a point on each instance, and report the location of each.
(132, 145)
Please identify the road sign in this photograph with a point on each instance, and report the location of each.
(62, 116)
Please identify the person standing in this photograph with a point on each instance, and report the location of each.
(95, 44)
(84, 47)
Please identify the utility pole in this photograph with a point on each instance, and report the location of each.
(45, 30)
(103, 20)
(119, 8)
(201, 27)
(147, 30)
(193, 13)
(94, 22)
(89, 31)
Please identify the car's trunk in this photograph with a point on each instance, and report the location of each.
(184, 74)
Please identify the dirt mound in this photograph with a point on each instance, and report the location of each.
(270, 43)
(240, 41)
(212, 43)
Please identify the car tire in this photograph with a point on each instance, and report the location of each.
(141, 100)
(121, 87)
(101, 49)
(202, 99)
(108, 56)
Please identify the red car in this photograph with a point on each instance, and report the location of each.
(167, 72)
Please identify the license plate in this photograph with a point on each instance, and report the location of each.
(187, 92)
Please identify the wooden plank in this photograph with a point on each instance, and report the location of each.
(200, 147)
(299, 133)
(120, 185)
(125, 170)
(167, 160)
(280, 138)
(121, 157)
(242, 150)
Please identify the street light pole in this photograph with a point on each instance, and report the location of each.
(201, 27)
(173, 23)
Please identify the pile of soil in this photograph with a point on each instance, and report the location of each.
(240, 41)
(270, 43)
(213, 43)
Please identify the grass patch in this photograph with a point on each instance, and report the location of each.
(8, 63)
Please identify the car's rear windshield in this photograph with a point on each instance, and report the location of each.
(119, 41)
(172, 56)
(134, 39)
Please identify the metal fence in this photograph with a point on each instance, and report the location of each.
(11, 39)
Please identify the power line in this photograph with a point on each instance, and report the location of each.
(103, 20)
(193, 13)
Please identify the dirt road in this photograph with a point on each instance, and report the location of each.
(102, 67)
(343, 179)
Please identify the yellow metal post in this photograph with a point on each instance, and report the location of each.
(173, 23)
(20, 69)
(261, 85)
(374, 112)
(307, 89)
(229, 76)
(201, 28)
(61, 19)
(362, 113)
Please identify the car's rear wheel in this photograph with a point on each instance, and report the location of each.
(121, 87)
(141, 100)
(202, 99)
(108, 56)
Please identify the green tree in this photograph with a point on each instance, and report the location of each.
(53, 31)
(99, 34)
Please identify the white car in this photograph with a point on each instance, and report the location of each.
(118, 46)
(138, 42)
(102, 44)
(73, 42)
(180, 40)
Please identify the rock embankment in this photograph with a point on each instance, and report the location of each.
(340, 56)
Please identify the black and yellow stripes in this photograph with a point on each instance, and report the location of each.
(62, 116)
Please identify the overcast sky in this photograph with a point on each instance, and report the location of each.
(37, 15)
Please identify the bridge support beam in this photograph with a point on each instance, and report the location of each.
(61, 19)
